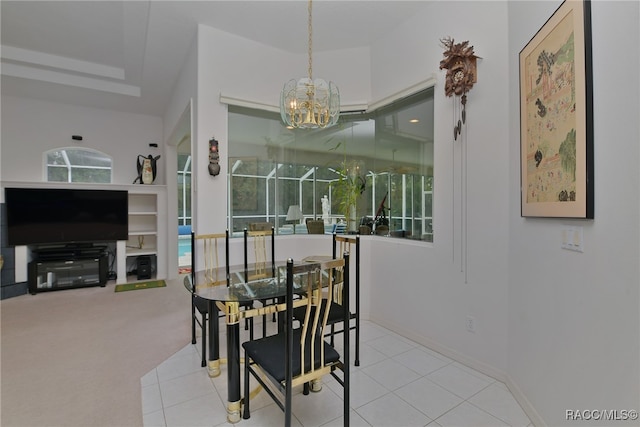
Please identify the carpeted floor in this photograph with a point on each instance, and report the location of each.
(75, 357)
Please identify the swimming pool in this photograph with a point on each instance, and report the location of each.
(184, 251)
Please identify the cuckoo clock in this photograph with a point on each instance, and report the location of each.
(460, 63)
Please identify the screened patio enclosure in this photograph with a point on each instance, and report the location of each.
(272, 168)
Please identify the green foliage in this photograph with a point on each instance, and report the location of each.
(348, 188)
(567, 153)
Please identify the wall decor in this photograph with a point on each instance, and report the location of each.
(147, 169)
(556, 116)
(460, 63)
(214, 157)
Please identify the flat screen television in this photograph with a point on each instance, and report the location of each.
(55, 216)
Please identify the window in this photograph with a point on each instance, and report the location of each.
(272, 168)
(78, 165)
(184, 189)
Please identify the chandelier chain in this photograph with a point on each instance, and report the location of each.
(310, 27)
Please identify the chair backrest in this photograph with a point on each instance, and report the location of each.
(263, 266)
(260, 226)
(317, 282)
(211, 246)
(343, 244)
(315, 226)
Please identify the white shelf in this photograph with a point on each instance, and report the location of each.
(143, 251)
(143, 233)
(146, 217)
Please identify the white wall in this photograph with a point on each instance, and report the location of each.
(436, 287)
(183, 98)
(574, 326)
(243, 69)
(31, 127)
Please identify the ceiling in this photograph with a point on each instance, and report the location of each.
(127, 55)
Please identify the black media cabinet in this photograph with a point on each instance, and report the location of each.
(55, 269)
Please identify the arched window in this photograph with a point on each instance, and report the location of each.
(71, 164)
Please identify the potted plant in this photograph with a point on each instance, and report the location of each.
(347, 189)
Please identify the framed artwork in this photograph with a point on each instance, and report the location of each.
(556, 116)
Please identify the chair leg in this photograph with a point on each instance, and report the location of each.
(193, 323)
(204, 341)
(246, 414)
(357, 358)
(264, 325)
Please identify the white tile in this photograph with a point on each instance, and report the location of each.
(363, 389)
(179, 365)
(420, 361)
(370, 331)
(154, 419)
(205, 410)
(185, 388)
(368, 355)
(428, 397)
(501, 404)
(390, 345)
(427, 385)
(390, 410)
(355, 420)
(151, 400)
(458, 381)
(391, 374)
(269, 416)
(436, 354)
(475, 373)
(149, 378)
(318, 408)
(467, 415)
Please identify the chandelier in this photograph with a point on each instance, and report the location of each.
(308, 103)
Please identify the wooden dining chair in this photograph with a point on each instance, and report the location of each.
(255, 242)
(211, 246)
(300, 355)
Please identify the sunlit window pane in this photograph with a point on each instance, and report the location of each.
(78, 165)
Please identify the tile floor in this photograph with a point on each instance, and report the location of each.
(399, 383)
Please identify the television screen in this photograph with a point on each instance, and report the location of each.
(49, 216)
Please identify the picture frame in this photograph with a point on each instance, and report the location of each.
(556, 116)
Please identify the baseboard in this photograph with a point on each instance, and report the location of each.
(524, 403)
(482, 367)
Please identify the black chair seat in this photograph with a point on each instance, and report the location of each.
(202, 305)
(269, 352)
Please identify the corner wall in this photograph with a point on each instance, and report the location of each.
(574, 325)
(426, 292)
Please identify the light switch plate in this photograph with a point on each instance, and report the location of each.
(572, 238)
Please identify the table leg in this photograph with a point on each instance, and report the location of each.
(213, 366)
(233, 362)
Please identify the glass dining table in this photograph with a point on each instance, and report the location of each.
(230, 292)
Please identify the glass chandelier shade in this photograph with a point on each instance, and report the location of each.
(310, 104)
(307, 103)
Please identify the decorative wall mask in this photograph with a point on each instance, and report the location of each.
(214, 157)
(460, 63)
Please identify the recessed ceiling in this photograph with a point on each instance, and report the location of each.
(126, 55)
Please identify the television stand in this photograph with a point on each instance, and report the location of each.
(67, 267)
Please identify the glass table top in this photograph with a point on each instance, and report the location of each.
(256, 284)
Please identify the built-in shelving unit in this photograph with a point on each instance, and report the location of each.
(145, 238)
(147, 222)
